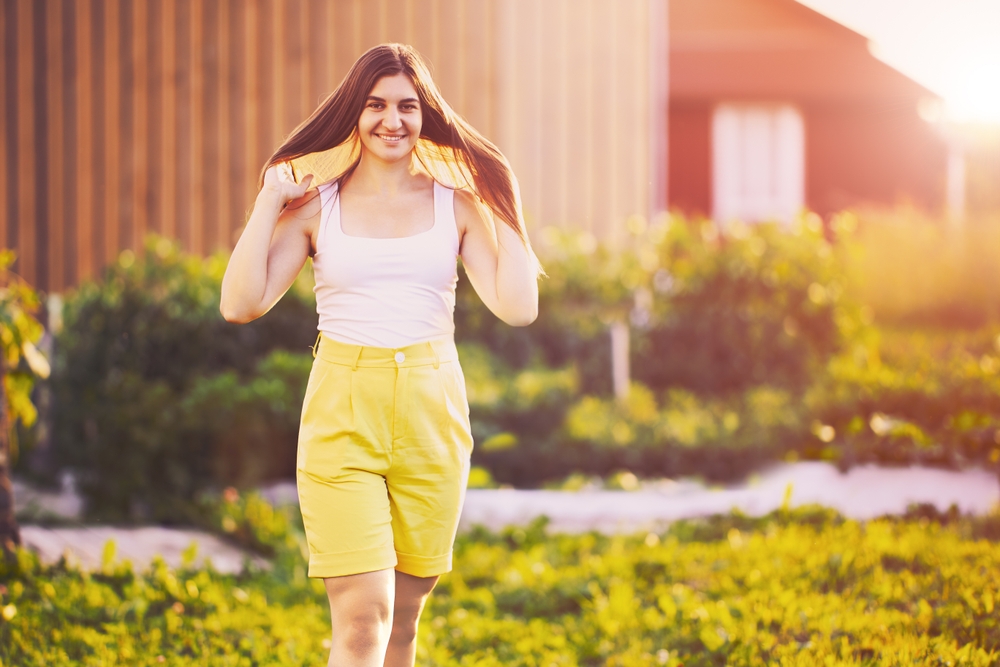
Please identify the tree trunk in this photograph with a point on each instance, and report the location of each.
(10, 534)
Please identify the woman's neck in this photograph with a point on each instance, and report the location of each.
(375, 176)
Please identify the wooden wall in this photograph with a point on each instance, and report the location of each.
(124, 117)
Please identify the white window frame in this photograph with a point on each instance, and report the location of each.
(758, 162)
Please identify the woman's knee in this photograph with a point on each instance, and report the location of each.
(411, 594)
(361, 609)
(364, 631)
(404, 622)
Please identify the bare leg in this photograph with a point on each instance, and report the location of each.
(361, 616)
(411, 594)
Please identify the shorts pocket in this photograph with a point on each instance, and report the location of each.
(455, 405)
(327, 416)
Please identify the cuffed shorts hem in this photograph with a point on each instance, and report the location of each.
(325, 565)
(423, 566)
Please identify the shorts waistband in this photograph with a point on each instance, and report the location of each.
(428, 353)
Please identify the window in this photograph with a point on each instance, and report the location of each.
(758, 162)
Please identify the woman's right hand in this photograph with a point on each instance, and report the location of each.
(273, 246)
(280, 183)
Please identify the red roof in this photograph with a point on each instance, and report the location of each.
(775, 49)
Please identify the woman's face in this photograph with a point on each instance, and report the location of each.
(389, 125)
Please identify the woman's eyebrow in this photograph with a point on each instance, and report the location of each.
(373, 98)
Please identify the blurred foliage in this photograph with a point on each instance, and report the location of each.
(796, 586)
(22, 361)
(152, 387)
(918, 272)
(864, 338)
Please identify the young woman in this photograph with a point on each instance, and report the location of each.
(384, 441)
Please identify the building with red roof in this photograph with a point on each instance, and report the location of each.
(775, 107)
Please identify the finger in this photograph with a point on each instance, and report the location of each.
(306, 182)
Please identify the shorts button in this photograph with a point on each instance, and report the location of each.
(400, 357)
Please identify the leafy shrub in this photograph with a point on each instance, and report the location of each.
(747, 306)
(21, 362)
(915, 397)
(143, 357)
(797, 586)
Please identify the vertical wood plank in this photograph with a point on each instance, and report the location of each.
(477, 77)
(8, 122)
(140, 155)
(358, 44)
(614, 135)
(395, 18)
(295, 66)
(168, 194)
(86, 181)
(448, 51)
(199, 153)
(382, 32)
(112, 123)
(409, 31)
(222, 177)
(212, 129)
(370, 24)
(38, 229)
(657, 57)
(23, 239)
(251, 106)
(239, 171)
(563, 159)
(9, 111)
(69, 183)
(153, 37)
(125, 84)
(529, 67)
(55, 169)
(184, 180)
(274, 94)
(577, 123)
(319, 52)
(552, 123)
(424, 30)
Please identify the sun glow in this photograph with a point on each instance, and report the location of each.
(974, 93)
(952, 47)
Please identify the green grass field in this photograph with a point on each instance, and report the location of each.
(800, 587)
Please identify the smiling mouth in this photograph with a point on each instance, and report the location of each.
(392, 138)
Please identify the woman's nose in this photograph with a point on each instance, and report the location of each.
(391, 121)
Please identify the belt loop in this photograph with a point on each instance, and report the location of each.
(357, 355)
(437, 359)
(316, 344)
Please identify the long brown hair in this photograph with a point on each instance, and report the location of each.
(449, 149)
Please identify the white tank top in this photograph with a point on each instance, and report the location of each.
(388, 292)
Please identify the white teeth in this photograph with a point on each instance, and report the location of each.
(389, 137)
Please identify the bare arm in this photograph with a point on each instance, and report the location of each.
(272, 249)
(501, 267)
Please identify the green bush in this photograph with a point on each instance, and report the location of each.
(151, 386)
(914, 397)
(799, 587)
(748, 345)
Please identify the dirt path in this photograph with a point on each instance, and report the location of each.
(861, 493)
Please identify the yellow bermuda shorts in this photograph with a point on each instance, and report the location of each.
(383, 458)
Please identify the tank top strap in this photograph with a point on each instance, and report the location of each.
(444, 213)
(328, 209)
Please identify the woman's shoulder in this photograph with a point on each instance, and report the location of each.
(303, 213)
(468, 207)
